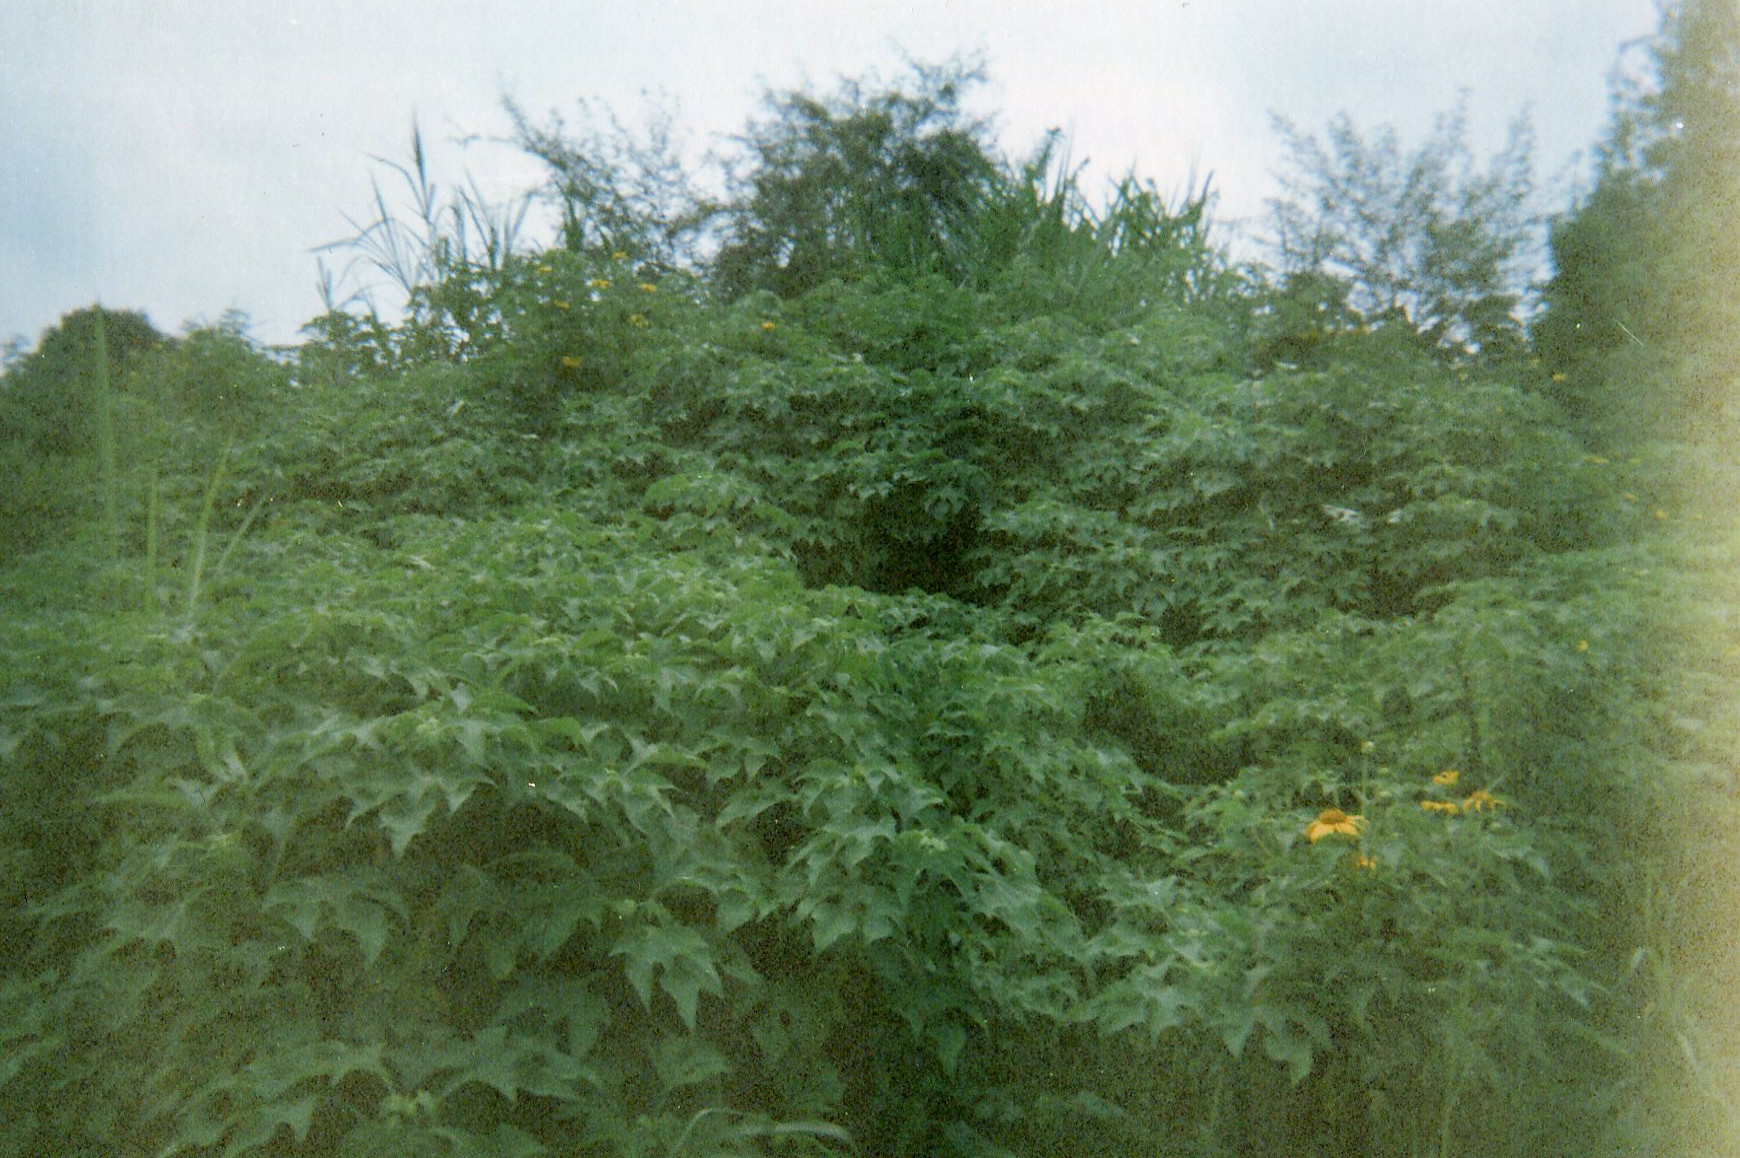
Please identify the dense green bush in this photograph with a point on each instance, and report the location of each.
(47, 406)
(1082, 701)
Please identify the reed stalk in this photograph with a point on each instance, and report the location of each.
(153, 531)
(201, 533)
(106, 456)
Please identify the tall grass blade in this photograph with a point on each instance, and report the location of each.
(230, 547)
(105, 400)
(153, 523)
(201, 533)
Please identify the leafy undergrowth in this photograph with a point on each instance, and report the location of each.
(790, 745)
(1011, 712)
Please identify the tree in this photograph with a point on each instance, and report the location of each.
(45, 395)
(1640, 311)
(618, 192)
(867, 177)
(1425, 237)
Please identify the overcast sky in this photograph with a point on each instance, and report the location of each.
(183, 157)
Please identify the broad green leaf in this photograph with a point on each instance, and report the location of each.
(677, 956)
(504, 1141)
(685, 1060)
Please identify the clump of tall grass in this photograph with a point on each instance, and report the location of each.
(445, 259)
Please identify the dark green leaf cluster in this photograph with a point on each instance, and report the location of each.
(833, 187)
(45, 401)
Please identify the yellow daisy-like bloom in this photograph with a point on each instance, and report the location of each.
(639, 321)
(770, 326)
(1582, 645)
(1560, 377)
(571, 362)
(561, 305)
(1333, 821)
(1446, 777)
(598, 283)
(647, 287)
(619, 255)
(1443, 806)
(1479, 800)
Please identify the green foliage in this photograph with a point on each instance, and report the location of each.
(1425, 238)
(47, 402)
(990, 708)
(616, 192)
(1639, 314)
(447, 260)
(881, 178)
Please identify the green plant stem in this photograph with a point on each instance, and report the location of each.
(153, 517)
(201, 531)
(106, 442)
(229, 548)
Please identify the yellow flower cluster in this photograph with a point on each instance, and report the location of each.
(1333, 822)
(1480, 800)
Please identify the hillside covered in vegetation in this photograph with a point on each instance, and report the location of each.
(902, 660)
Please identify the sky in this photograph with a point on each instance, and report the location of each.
(187, 157)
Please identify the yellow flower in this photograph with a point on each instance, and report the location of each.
(1660, 514)
(1362, 861)
(770, 326)
(1582, 645)
(647, 287)
(1333, 821)
(542, 268)
(619, 255)
(1446, 777)
(1479, 800)
(571, 362)
(1443, 806)
(639, 321)
(598, 283)
(1559, 377)
(561, 305)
